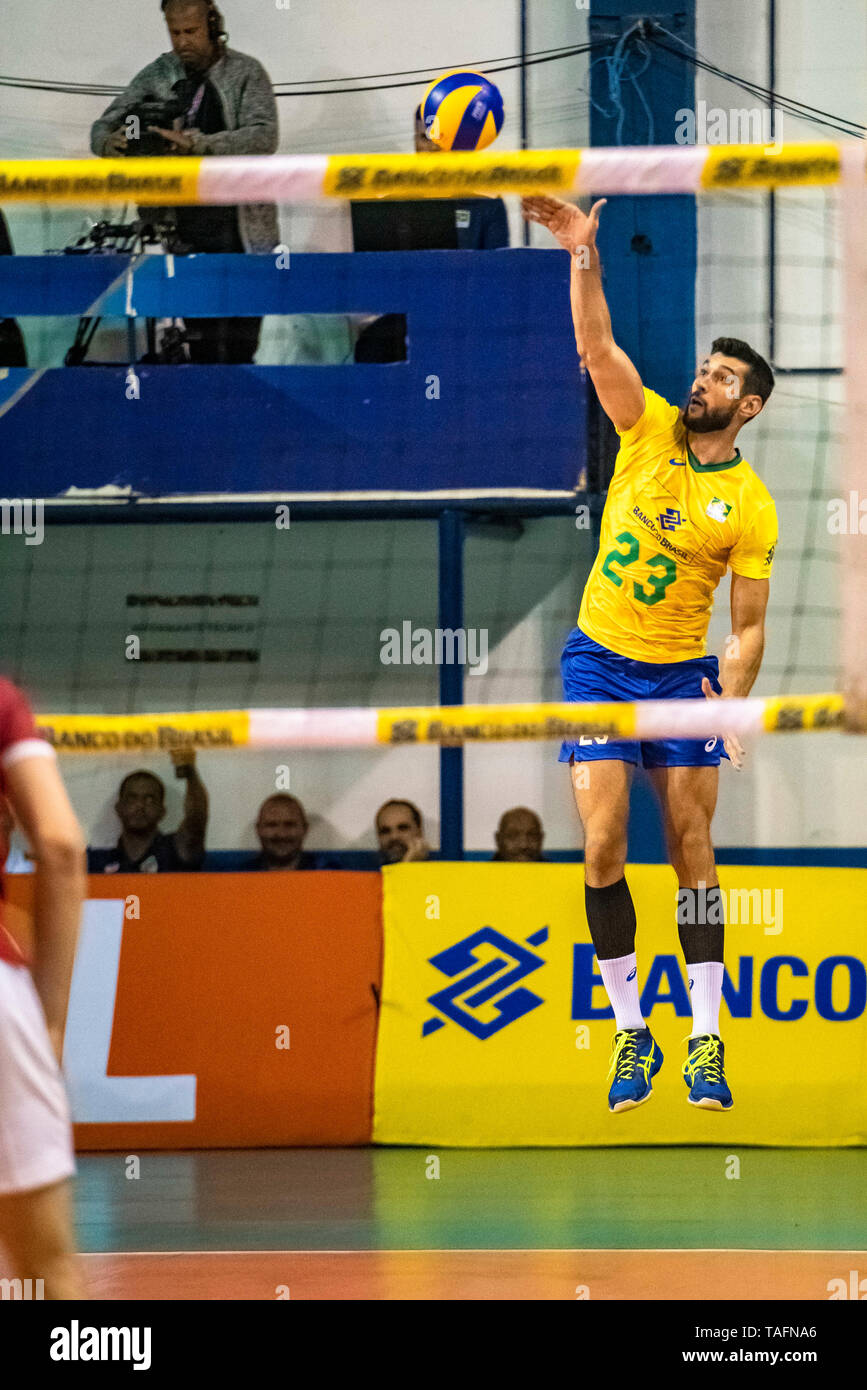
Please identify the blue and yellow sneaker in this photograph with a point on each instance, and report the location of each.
(635, 1060)
(704, 1073)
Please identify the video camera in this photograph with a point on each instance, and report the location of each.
(151, 111)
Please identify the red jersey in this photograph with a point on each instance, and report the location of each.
(18, 738)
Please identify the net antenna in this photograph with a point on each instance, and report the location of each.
(854, 569)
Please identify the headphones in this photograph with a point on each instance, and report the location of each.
(216, 24)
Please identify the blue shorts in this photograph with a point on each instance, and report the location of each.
(592, 673)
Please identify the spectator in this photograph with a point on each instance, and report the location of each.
(225, 105)
(282, 827)
(400, 834)
(140, 807)
(519, 837)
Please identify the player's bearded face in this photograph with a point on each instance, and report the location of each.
(703, 418)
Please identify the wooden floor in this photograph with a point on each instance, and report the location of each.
(489, 1224)
(485, 1275)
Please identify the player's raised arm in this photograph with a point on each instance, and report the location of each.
(615, 377)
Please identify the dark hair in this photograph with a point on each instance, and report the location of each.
(283, 796)
(399, 801)
(759, 380)
(517, 810)
(143, 772)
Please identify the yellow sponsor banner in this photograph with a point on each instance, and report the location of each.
(493, 1027)
(87, 733)
(786, 713)
(763, 166)
(156, 181)
(491, 723)
(451, 175)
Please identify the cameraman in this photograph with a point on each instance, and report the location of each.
(202, 98)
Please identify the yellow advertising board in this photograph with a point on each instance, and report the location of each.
(495, 1029)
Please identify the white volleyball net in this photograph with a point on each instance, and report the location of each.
(317, 681)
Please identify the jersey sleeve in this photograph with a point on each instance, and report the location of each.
(657, 418)
(752, 555)
(19, 736)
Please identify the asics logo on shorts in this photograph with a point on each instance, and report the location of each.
(710, 745)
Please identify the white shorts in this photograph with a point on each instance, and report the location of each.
(35, 1131)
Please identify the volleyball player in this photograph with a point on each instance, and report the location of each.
(682, 507)
(36, 1160)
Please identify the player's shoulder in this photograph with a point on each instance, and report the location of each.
(162, 69)
(12, 698)
(659, 416)
(16, 716)
(757, 488)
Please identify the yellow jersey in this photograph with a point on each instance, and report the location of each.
(670, 528)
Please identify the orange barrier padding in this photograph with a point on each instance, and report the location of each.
(263, 987)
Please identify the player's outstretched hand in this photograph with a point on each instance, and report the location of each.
(733, 746)
(572, 227)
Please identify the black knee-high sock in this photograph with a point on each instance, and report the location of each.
(700, 924)
(611, 918)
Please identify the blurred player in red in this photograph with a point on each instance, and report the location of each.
(36, 1159)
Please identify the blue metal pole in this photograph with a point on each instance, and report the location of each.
(451, 615)
(648, 243)
(772, 202)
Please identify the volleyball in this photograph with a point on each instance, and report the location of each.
(462, 111)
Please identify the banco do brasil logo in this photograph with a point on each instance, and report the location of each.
(486, 995)
(478, 982)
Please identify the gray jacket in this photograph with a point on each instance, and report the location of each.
(250, 110)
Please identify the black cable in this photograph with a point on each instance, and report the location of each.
(789, 104)
(542, 55)
(754, 87)
(563, 51)
(505, 67)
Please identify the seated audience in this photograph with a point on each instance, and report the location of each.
(282, 827)
(399, 831)
(519, 837)
(140, 807)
